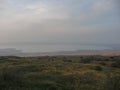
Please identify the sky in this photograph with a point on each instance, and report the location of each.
(60, 21)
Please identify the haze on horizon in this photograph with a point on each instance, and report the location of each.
(56, 21)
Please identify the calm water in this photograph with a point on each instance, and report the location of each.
(51, 47)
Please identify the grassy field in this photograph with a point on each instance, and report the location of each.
(60, 73)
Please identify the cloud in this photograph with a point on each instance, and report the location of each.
(101, 6)
(2, 2)
(79, 9)
(98, 9)
(64, 21)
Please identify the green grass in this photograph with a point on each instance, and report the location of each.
(60, 73)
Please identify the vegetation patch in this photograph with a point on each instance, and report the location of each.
(60, 73)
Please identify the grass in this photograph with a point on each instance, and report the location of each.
(60, 73)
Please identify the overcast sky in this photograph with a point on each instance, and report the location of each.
(60, 21)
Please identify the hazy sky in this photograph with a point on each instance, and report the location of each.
(64, 21)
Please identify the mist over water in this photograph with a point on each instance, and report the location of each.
(52, 47)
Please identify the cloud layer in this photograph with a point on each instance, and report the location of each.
(82, 21)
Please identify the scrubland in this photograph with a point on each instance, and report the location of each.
(60, 73)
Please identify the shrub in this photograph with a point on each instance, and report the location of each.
(10, 79)
(115, 64)
(113, 82)
(98, 68)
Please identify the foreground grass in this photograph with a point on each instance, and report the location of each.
(60, 73)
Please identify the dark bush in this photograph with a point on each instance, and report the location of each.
(98, 68)
(115, 64)
(113, 82)
(10, 79)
